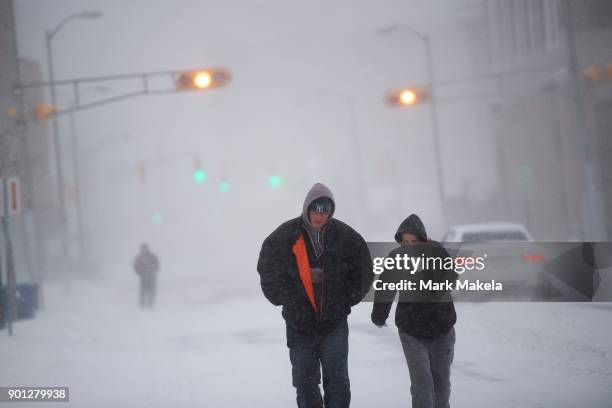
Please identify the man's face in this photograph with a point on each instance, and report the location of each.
(317, 219)
(408, 238)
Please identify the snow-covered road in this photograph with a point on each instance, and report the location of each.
(219, 351)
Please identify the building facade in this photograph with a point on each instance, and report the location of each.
(550, 122)
(24, 153)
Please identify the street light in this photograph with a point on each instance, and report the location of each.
(360, 180)
(407, 97)
(83, 235)
(49, 35)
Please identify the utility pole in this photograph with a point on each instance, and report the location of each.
(57, 147)
(10, 264)
(592, 200)
(425, 39)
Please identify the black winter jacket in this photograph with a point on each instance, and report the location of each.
(422, 319)
(347, 275)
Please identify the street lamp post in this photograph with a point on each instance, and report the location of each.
(593, 213)
(77, 184)
(360, 182)
(433, 109)
(49, 34)
(82, 234)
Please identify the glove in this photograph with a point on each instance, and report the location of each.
(378, 320)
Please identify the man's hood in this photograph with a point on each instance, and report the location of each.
(412, 225)
(317, 191)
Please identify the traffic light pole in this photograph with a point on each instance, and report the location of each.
(145, 78)
(10, 264)
(433, 109)
(57, 150)
(77, 189)
(592, 201)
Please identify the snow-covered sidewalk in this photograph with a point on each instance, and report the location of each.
(198, 350)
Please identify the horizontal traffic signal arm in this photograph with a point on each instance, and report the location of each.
(150, 83)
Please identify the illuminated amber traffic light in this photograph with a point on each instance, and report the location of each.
(598, 73)
(594, 73)
(43, 111)
(202, 79)
(409, 96)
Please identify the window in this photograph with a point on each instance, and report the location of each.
(487, 236)
(537, 26)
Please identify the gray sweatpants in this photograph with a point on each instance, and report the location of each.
(429, 362)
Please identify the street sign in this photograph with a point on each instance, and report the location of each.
(11, 203)
(14, 199)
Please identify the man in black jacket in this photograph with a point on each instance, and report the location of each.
(146, 266)
(316, 267)
(425, 318)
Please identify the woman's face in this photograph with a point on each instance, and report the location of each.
(408, 238)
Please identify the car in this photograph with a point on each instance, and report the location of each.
(488, 232)
(511, 257)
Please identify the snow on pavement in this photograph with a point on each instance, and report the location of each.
(224, 350)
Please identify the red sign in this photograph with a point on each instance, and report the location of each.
(14, 201)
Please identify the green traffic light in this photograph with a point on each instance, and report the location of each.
(275, 181)
(157, 218)
(224, 186)
(199, 176)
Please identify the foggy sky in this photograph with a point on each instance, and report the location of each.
(285, 112)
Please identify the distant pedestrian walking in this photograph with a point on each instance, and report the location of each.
(146, 266)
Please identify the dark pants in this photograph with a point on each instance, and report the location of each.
(147, 290)
(312, 354)
(429, 362)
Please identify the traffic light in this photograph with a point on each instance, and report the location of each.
(43, 111)
(409, 96)
(275, 181)
(594, 73)
(202, 79)
(598, 73)
(199, 175)
(157, 218)
(224, 186)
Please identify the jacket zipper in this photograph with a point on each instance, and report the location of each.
(321, 303)
(322, 288)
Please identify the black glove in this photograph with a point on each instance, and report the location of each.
(378, 320)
